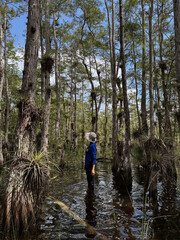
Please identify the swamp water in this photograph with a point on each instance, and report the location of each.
(111, 213)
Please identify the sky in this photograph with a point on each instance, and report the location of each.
(18, 30)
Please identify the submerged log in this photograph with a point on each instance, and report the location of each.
(90, 229)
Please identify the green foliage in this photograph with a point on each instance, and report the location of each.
(38, 159)
(82, 34)
(131, 3)
(137, 152)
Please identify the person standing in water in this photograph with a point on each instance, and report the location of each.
(90, 158)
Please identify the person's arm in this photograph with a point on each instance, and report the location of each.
(94, 160)
(93, 170)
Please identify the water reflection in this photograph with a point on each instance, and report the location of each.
(122, 202)
(167, 216)
(159, 204)
(91, 211)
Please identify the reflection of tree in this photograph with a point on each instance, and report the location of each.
(124, 210)
(91, 211)
(167, 218)
(160, 194)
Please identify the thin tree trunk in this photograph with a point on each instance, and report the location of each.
(1, 88)
(177, 44)
(47, 66)
(83, 120)
(162, 65)
(158, 100)
(7, 108)
(113, 71)
(75, 115)
(127, 161)
(42, 55)
(135, 77)
(101, 94)
(106, 109)
(111, 28)
(152, 131)
(143, 99)
(57, 126)
(93, 96)
(167, 130)
(71, 122)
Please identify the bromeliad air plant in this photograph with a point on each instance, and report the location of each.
(26, 189)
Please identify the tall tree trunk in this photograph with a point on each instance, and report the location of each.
(113, 80)
(135, 77)
(42, 55)
(101, 94)
(71, 122)
(28, 112)
(57, 81)
(106, 109)
(47, 67)
(152, 131)
(167, 128)
(7, 108)
(126, 163)
(75, 114)
(1, 88)
(93, 96)
(111, 28)
(158, 100)
(143, 100)
(177, 44)
(27, 180)
(83, 120)
(163, 67)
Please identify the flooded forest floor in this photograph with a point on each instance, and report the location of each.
(110, 212)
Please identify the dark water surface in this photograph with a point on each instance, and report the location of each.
(110, 212)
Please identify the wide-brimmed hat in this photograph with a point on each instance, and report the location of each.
(91, 137)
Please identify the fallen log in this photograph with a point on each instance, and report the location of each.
(89, 228)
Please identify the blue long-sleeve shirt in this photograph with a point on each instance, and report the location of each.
(90, 157)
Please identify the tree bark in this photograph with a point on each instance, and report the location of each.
(106, 109)
(42, 55)
(101, 94)
(111, 28)
(163, 67)
(7, 104)
(57, 81)
(177, 44)
(143, 99)
(1, 88)
(135, 78)
(93, 97)
(126, 166)
(29, 114)
(47, 67)
(75, 137)
(158, 100)
(71, 110)
(31, 52)
(152, 130)
(83, 116)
